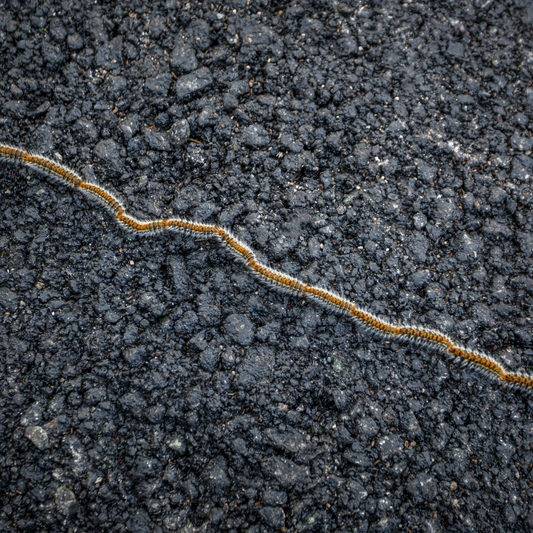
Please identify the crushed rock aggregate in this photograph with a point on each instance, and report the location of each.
(377, 148)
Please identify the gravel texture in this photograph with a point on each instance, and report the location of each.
(382, 149)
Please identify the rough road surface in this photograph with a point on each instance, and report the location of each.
(381, 149)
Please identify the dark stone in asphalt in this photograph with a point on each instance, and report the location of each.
(193, 83)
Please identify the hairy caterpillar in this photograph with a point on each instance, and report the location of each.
(482, 362)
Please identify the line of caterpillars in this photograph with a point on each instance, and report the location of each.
(476, 359)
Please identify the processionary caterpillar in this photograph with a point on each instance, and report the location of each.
(482, 362)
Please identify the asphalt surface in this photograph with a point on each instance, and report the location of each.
(381, 149)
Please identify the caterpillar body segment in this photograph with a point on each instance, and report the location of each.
(40, 163)
(483, 363)
(100, 194)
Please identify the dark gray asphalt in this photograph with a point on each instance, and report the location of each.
(381, 149)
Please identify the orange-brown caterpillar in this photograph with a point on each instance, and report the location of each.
(476, 359)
